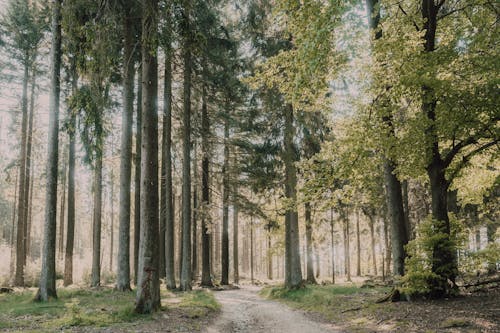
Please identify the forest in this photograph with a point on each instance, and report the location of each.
(249, 166)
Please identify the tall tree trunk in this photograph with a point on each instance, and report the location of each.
(29, 220)
(236, 267)
(13, 228)
(167, 137)
(148, 282)
(225, 208)
(112, 226)
(251, 250)
(347, 246)
(293, 275)
(269, 257)
(206, 278)
(332, 234)
(96, 230)
(28, 191)
(70, 230)
(318, 261)
(388, 252)
(123, 269)
(358, 247)
(21, 208)
(48, 274)
(62, 213)
(309, 246)
(194, 239)
(185, 278)
(138, 172)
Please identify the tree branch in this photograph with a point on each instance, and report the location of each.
(466, 158)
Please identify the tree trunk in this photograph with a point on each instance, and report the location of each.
(371, 225)
(251, 250)
(206, 278)
(148, 282)
(138, 172)
(112, 226)
(96, 230)
(21, 208)
(167, 137)
(358, 247)
(309, 246)
(13, 228)
(48, 274)
(269, 257)
(225, 208)
(62, 212)
(236, 267)
(293, 275)
(29, 221)
(332, 244)
(194, 251)
(185, 278)
(388, 252)
(347, 247)
(123, 269)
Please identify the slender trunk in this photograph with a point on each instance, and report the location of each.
(194, 251)
(347, 246)
(148, 282)
(332, 233)
(309, 246)
(318, 261)
(138, 172)
(112, 226)
(48, 273)
(13, 228)
(123, 268)
(70, 230)
(406, 208)
(62, 212)
(169, 208)
(251, 250)
(387, 260)
(269, 257)
(358, 247)
(293, 275)
(97, 225)
(206, 278)
(225, 208)
(21, 208)
(236, 269)
(29, 220)
(371, 225)
(185, 278)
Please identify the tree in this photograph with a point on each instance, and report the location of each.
(148, 283)
(47, 288)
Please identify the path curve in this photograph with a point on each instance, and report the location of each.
(243, 310)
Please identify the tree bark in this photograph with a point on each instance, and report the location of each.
(185, 278)
(138, 172)
(148, 282)
(293, 275)
(123, 269)
(194, 239)
(236, 267)
(225, 208)
(251, 251)
(371, 225)
(169, 208)
(309, 245)
(332, 233)
(269, 257)
(62, 211)
(70, 230)
(48, 274)
(112, 226)
(97, 225)
(358, 247)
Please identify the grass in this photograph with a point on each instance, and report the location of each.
(83, 307)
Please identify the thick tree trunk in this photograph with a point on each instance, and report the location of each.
(138, 172)
(206, 278)
(48, 274)
(293, 275)
(185, 278)
(225, 208)
(148, 282)
(169, 208)
(21, 207)
(309, 245)
(97, 226)
(123, 269)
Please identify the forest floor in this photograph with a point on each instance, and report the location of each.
(349, 308)
(104, 310)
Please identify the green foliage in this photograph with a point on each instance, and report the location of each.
(419, 278)
(481, 260)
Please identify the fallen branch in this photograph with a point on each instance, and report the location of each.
(352, 309)
(481, 283)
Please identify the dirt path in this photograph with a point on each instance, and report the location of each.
(244, 311)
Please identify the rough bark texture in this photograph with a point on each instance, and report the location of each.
(206, 278)
(185, 278)
(21, 206)
(48, 274)
(148, 282)
(225, 209)
(293, 275)
(169, 209)
(309, 246)
(123, 268)
(137, 180)
(97, 224)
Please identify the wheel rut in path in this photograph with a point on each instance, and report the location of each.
(243, 310)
